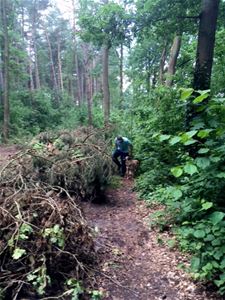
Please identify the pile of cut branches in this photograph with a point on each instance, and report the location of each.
(46, 247)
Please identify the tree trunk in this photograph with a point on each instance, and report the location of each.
(162, 64)
(174, 52)
(76, 60)
(31, 80)
(55, 85)
(34, 36)
(4, 7)
(105, 83)
(206, 41)
(204, 61)
(1, 79)
(89, 96)
(121, 75)
(60, 77)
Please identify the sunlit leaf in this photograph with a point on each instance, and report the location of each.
(18, 252)
(175, 140)
(185, 93)
(177, 171)
(190, 169)
(200, 98)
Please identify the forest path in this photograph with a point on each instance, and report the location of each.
(136, 258)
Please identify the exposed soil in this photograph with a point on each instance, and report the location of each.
(6, 152)
(137, 263)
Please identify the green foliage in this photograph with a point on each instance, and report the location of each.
(75, 289)
(96, 295)
(195, 198)
(55, 235)
(39, 279)
(156, 118)
(108, 26)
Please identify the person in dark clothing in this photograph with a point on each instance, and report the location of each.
(123, 148)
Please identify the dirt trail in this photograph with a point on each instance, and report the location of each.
(6, 152)
(139, 266)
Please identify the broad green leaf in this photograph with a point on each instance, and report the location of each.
(190, 142)
(209, 238)
(222, 264)
(191, 133)
(195, 263)
(217, 254)
(175, 140)
(207, 205)
(216, 217)
(202, 162)
(204, 133)
(164, 137)
(202, 92)
(177, 171)
(185, 93)
(199, 125)
(215, 158)
(203, 150)
(18, 252)
(220, 175)
(200, 98)
(217, 242)
(190, 169)
(199, 234)
(186, 138)
(207, 267)
(176, 193)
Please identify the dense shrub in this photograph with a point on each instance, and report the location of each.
(161, 112)
(195, 198)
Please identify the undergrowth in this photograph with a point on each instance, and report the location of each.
(184, 170)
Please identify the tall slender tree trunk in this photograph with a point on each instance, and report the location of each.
(55, 85)
(174, 52)
(121, 75)
(76, 60)
(162, 64)
(60, 76)
(34, 39)
(31, 79)
(89, 96)
(206, 41)
(1, 78)
(6, 117)
(105, 84)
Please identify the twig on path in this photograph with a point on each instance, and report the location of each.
(113, 281)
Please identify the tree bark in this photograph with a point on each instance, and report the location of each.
(162, 64)
(76, 60)
(121, 75)
(55, 85)
(34, 36)
(174, 52)
(206, 42)
(105, 84)
(6, 117)
(60, 77)
(89, 97)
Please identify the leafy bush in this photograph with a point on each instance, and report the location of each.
(195, 199)
(162, 112)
